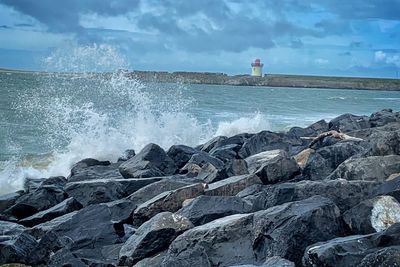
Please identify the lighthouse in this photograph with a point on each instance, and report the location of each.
(256, 68)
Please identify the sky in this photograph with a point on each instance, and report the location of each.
(315, 37)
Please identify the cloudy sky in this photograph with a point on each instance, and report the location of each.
(321, 37)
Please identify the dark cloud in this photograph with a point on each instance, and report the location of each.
(346, 54)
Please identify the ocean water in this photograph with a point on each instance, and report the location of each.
(49, 121)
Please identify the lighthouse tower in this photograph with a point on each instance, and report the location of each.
(256, 68)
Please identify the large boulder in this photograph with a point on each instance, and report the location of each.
(384, 257)
(41, 199)
(373, 215)
(323, 161)
(64, 207)
(344, 193)
(152, 237)
(155, 261)
(232, 185)
(273, 166)
(95, 172)
(151, 161)
(384, 117)
(391, 187)
(167, 201)
(352, 250)
(374, 168)
(204, 209)
(384, 143)
(206, 147)
(349, 122)
(250, 238)
(226, 153)
(266, 140)
(181, 154)
(7, 200)
(311, 131)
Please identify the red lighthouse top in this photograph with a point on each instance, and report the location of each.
(257, 63)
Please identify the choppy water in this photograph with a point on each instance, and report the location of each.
(50, 121)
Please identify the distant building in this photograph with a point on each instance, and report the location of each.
(256, 68)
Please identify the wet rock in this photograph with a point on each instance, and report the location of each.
(311, 131)
(272, 166)
(375, 168)
(250, 238)
(201, 159)
(60, 209)
(151, 161)
(149, 191)
(277, 262)
(181, 154)
(97, 172)
(204, 209)
(206, 147)
(349, 122)
(226, 153)
(16, 248)
(153, 236)
(41, 199)
(232, 185)
(391, 187)
(106, 256)
(155, 261)
(128, 154)
(321, 162)
(384, 117)
(64, 257)
(344, 193)
(385, 143)
(351, 250)
(384, 257)
(265, 140)
(105, 190)
(373, 215)
(167, 201)
(7, 200)
(31, 184)
(85, 163)
(10, 228)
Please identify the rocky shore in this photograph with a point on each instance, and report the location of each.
(324, 195)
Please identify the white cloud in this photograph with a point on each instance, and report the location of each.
(392, 59)
(321, 61)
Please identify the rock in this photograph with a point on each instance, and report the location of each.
(57, 181)
(85, 163)
(60, 209)
(41, 199)
(151, 161)
(226, 153)
(152, 237)
(16, 248)
(97, 172)
(10, 228)
(303, 157)
(311, 131)
(384, 143)
(128, 154)
(391, 187)
(201, 159)
(149, 191)
(345, 194)
(349, 122)
(351, 250)
(155, 261)
(236, 167)
(167, 201)
(250, 238)
(31, 184)
(383, 257)
(181, 154)
(204, 209)
(373, 215)
(277, 262)
(375, 168)
(272, 166)
(238, 139)
(232, 185)
(7, 200)
(384, 117)
(206, 147)
(105, 190)
(265, 140)
(321, 162)
(64, 257)
(106, 256)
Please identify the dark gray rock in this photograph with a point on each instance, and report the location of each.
(204, 209)
(384, 257)
(31, 184)
(106, 256)
(83, 164)
(181, 154)
(273, 166)
(391, 187)
(96, 172)
(265, 140)
(16, 248)
(325, 160)
(167, 201)
(201, 159)
(7, 200)
(375, 168)
(384, 143)
(206, 147)
(64, 207)
(351, 250)
(232, 185)
(236, 140)
(344, 193)
(384, 117)
(373, 215)
(10, 228)
(311, 131)
(151, 161)
(149, 191)
(153, 236)
(349, 122)
(128, 154)
(64, 257)
(277, 262)
(155, 261)
(226, 153)
(41, 199)
(250, 238)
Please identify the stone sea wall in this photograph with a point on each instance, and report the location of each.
(272, 80)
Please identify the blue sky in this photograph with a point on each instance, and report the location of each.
(324, 37)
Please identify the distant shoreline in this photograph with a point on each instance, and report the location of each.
(269, 80)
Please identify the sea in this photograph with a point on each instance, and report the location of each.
(50, 120)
